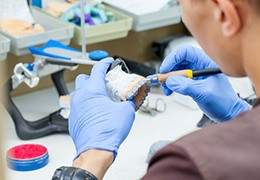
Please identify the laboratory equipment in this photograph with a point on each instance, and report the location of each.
(160, 107)
(30, 74)
(56, 53)
(161, 78)
(45, 63)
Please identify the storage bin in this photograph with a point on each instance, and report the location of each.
(105, 32)
(154, 20)
(54, 29)
(4, 47)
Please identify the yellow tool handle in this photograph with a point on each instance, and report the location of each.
(186, 73)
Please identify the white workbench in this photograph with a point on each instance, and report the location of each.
(175, 122)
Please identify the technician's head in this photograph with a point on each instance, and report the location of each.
(225, 29)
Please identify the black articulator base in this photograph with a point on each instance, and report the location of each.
(54, 123)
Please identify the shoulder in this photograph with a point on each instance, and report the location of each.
(172, 162)
(223, 133)
(218, 150)
(224, 151)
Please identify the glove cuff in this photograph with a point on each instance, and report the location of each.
(113, 149)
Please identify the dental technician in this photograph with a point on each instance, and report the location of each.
(228, 31)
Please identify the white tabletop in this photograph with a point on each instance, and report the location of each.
(179, 119)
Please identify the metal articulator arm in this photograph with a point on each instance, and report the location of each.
(53, 123)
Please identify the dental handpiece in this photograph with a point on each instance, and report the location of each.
(161, 78)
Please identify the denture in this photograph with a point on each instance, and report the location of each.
(122, 86)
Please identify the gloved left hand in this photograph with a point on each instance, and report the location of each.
(95, 121)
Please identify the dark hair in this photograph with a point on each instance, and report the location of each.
(255, 4)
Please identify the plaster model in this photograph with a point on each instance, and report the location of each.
(122, 86)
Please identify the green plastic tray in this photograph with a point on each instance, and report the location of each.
(105, 32)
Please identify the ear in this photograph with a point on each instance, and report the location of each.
(228, 17)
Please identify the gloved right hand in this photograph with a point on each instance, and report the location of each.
(213, 94)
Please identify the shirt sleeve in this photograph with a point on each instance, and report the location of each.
(172, 163)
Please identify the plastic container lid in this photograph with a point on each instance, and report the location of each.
(27, 157)
(98, 55)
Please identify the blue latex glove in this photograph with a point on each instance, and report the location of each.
(95, 121)
(213, 94)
